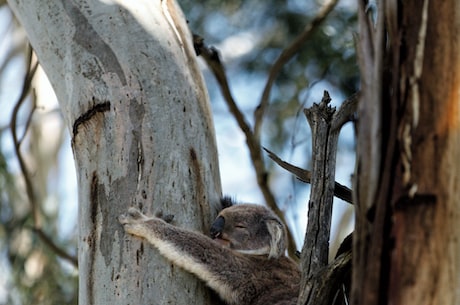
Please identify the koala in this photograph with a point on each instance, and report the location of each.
(243, 261)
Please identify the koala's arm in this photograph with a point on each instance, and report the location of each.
(193, 252)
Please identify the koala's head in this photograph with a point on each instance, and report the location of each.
(250, 229)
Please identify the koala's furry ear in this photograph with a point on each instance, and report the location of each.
(226, 202)
(277, 238)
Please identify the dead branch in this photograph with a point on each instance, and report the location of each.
(327, 285)
(346, 112)
(315, 251)
(325, 123)
(304, 175)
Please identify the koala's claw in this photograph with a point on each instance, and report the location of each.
(123, 219)
(168, 218)
(132, 215)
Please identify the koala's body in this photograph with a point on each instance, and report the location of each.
(244, 262)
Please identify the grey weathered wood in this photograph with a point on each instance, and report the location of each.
(315, 251)
(325, 123)
(304, 175)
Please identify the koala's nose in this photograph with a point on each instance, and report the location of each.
(217, 227)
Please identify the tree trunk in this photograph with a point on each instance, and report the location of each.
(406, 245)
(425, 261)
(135, 103)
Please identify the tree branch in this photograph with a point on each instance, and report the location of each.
(327, 282)
(346, 112)
(315, 251)
(304, 175)
(52, 245)
(325, 123)
(211, 57)
(284, 57)
(17, 143)
(31, 69)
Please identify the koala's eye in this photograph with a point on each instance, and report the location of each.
(240, 226)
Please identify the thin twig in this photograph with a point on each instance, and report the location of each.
(303, 175)
(32, 68)
(284, 57)
(13, 126)
(211, 57)
(59, 252)
(29, 119)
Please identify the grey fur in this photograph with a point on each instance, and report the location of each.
(245, 263)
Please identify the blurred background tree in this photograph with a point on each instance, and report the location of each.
(250, 35)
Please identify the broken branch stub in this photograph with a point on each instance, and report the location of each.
(325, 123)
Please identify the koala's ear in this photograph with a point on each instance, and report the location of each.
(277, 238)
(226, 202)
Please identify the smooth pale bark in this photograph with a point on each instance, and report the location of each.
(407, 238)
(135, 103)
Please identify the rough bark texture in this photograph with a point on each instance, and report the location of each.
(321, 281)
(137, 109)
(315, 251)
(425, 261)
(406, 245)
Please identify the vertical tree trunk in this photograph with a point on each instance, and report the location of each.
(408, 230)
(135, 103)
(425, 260)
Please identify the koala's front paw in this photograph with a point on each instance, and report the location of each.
(134, 221)
(132, 216)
